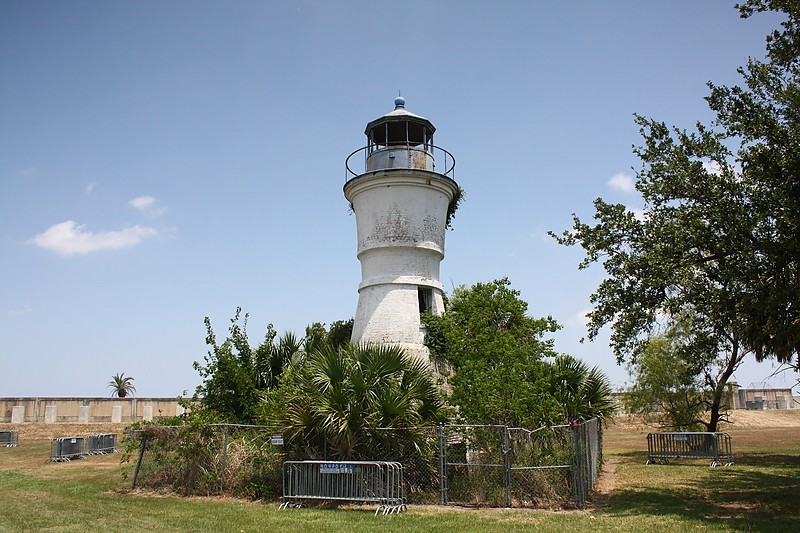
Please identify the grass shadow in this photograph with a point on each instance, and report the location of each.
(758, 493)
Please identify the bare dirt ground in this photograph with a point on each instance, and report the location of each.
(30, 431)
(740, 419)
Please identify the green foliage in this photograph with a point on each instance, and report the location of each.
(453, 206)
(718, 237)
(237, 376)
(335, 401)
(582, 392)
(677, 380)
(121, 386)
(203, 459)
(496, 352)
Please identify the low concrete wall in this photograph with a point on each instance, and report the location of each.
(86, 410)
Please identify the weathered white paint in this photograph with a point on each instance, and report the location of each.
(400, 219)
(116, 414)
(50, 414)
(83, 415)
(147, 413)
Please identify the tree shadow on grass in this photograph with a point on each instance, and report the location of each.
(758, 493)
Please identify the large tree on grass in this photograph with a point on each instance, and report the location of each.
(719, 234)
(673, 387)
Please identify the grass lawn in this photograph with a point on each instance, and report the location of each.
(761, 492)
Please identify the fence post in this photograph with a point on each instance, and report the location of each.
(577, 466)
(139, 462)
(224, 458)
(442, 464)
(507, 463)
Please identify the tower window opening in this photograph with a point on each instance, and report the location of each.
(425, 295)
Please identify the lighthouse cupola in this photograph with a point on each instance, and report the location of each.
(401, 197)
(400, 138)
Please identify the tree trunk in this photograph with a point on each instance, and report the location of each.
(719, 390)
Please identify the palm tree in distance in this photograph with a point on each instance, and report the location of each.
(121, 386)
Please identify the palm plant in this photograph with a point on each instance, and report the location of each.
(583, 392)
(343, 395)
(121, 386)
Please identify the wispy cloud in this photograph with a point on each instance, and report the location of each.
(89, 188)
(582, 318)
(622, 182)
(70, 238)
(19, 311)
(639, 213)
(149, 206)
(29, 172)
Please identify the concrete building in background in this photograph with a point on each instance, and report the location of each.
(759, 396)
(403, 193)
(87, 410)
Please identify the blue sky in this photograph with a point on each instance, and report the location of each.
(165, 161)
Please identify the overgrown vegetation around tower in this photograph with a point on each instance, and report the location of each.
(504, 369)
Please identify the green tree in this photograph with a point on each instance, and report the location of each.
(496, 352)
(672, 387)
(339, 396)
(236, 374)
(582, 392)
(718, 237)
(121, 386)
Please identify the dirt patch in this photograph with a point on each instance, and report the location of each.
(31, 431)
(606, 483)
(741, 419)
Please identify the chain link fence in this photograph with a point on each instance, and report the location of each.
(486, 465)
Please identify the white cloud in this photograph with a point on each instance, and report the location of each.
(638, 213)
(583, 317)
(148, 205)
(712, 167)
(70, 238)
(622, 182)
(88, 188)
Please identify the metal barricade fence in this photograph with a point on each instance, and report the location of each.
(378, 482)
(9, 438)
(101, 443)
(661, 447)
(66, 448)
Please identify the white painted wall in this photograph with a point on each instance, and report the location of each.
(400, 220)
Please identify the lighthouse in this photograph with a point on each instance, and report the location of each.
(402, 190)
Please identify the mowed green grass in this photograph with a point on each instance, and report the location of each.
(760, 493)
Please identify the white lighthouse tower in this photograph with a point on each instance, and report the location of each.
(402, 198)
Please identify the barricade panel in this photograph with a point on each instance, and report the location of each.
(101, 443)
(9, 438)
(378, 482)
(66, 448)
(665, 446)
